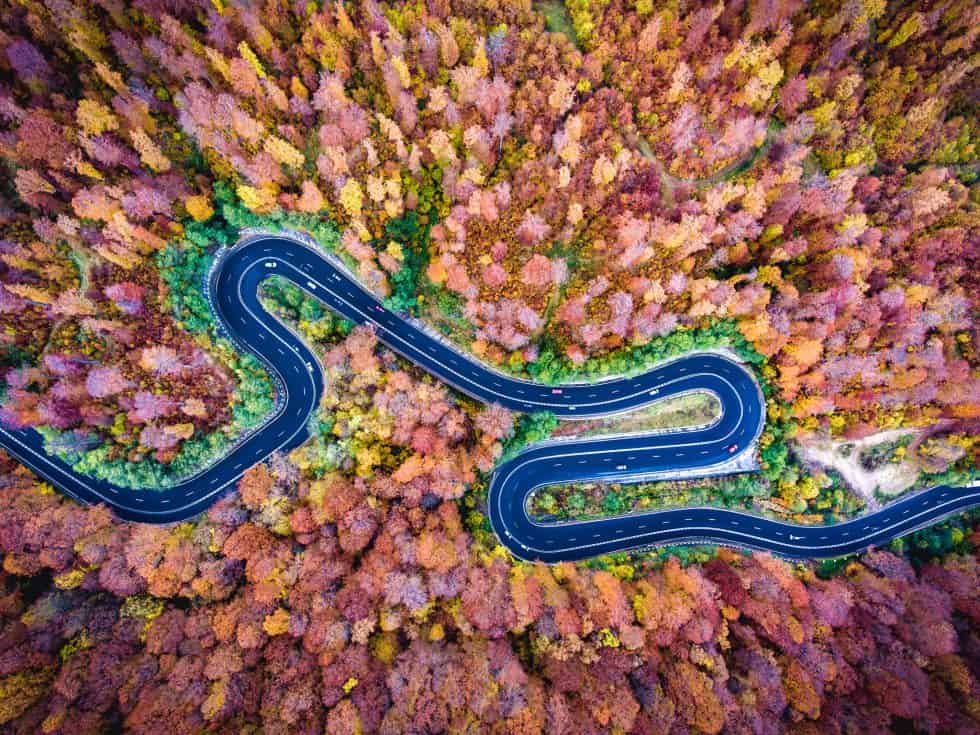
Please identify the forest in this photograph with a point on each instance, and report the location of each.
(566, 190)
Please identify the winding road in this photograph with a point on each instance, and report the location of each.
(232, 289)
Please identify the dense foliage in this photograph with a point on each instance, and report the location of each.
(345, 605)
(794, 181)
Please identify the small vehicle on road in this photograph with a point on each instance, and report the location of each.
(270, 264)
(556, 391)
(733, 448)
(620, 467)
(655, 391)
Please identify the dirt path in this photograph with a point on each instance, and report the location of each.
(669, 182)
(845, 457)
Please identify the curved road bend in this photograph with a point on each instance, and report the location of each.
(233, 291)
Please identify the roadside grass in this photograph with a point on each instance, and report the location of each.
(688, 411)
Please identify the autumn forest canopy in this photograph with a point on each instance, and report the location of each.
(565, 190)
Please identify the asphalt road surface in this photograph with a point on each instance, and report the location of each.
(232, 289)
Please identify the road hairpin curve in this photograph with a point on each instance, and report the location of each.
(232, 290)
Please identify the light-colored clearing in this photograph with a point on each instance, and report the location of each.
(891, 479)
